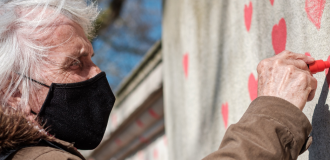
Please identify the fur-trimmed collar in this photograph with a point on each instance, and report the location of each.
(16, 130)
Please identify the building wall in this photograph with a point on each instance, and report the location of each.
(211, 49)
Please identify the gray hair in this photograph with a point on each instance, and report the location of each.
(21, 55)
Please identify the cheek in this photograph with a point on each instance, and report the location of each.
(37, 99)
(60, 76)
(74, 77)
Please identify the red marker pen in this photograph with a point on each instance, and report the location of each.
(318, 66)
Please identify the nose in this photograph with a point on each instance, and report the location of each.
(94, 70)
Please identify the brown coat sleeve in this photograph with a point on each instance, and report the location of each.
(43, 153)
(271, 128)
(57, 155)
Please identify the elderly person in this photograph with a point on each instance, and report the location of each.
(54, 99)
(274, 126)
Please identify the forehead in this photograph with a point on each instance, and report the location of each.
(52, 29)
(64, 30)
(62, 36)
(66, 39)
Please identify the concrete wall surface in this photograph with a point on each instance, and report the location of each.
(211, 49)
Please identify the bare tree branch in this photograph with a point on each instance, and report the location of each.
(109, 15)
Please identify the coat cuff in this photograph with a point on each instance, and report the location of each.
(285, 113)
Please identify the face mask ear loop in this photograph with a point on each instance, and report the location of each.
(45, 85)
(33, 112)
(36, 115)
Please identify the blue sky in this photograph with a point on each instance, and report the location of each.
(121, 47)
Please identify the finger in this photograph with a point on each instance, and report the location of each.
(299, 64)
(296, 56)
(311, 95)
(313, 85)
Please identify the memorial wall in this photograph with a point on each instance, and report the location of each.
(211, 49)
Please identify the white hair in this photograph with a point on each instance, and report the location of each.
(21, 55)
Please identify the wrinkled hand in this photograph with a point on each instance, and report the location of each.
(287, 76)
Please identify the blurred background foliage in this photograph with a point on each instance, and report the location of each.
(125, 31)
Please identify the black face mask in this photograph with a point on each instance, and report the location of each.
(78, 112)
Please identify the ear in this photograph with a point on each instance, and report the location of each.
(15, 99)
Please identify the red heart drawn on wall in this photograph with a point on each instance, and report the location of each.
(272, 2)
(279, 36)
(144, 140)
(308, 54)
(118, 142)
(224, 111)
(141, 155)
(114, 119)
(165, 140)
(139, 123)
(253, 87)
(155, 153)
(248, 15)
(185, 63)
(314, 10)
(153, 113)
